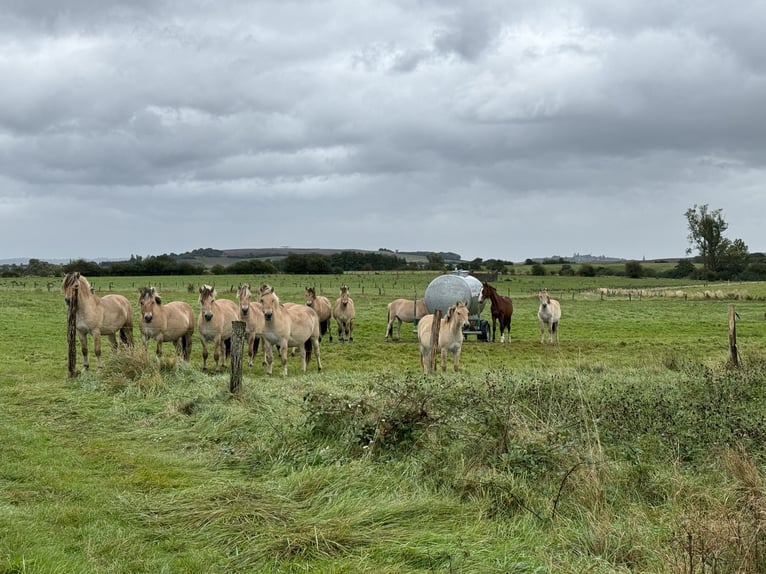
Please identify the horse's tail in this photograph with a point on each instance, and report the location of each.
(126, 335)
(554, 327)
(227, 347)
(323, 327)
(307, 345)
(256, 344)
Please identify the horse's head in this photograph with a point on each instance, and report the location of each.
(71, 284)
(344, 297)
(311, 296)
(147, 299)
(485, 291)
(206, 299)
(269, 301)
(544, 299)
(243, 294)
(459, 313)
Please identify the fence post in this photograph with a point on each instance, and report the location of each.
(71, 334)
(435, 326)
(733, 336)
(237, 345)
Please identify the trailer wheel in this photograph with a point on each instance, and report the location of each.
(485, 331)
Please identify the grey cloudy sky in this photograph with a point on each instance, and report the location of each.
(495, 129)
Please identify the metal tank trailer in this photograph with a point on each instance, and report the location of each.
(446, 290)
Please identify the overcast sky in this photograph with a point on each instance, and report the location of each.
(493, 128)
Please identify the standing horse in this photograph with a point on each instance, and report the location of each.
(404, 310)
(502, 310)
(251, 312)
(549, 314)
(214, 324)
(321, 305)
(289, 327)
(172, 322)
(344, 314)
(98, 315)
(450, 336)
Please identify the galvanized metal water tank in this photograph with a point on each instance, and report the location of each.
(446, 290)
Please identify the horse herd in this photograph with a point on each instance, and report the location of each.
(267, 320)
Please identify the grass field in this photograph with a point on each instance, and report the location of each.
(630, 447)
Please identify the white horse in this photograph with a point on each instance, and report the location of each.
(450, 336)
(549, 314)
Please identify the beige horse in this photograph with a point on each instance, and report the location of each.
(549, 313)
(98, 316)
(172, 322)
(343, 311)
(290, 327)
(251, 312)
(214, 325)
(321, 305)
(450, 336)
(403, 310)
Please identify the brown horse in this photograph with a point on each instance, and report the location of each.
(344, 314)
(172, 322)
(321, 305)
(403, 310)
(502, 310)
(251, 312)
(289, 327)
(98, 315)
(214, 324)
(450, 336)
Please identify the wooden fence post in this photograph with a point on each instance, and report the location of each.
(71, 334)
(733, 336)
(435, 326)
(237, 346)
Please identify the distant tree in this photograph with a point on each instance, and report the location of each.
(537, 269)
(87, 268)
(476, 264)
(435, 261)
(634, 270)
(566, 270)
(706, 233)
(586, 270)
(529, 261)
(497, 265)
(734, 260)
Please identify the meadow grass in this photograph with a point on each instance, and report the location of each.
(633, 446)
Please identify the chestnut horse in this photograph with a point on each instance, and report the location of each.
(251, 312)
(289, 326)
(98, 315)
(344, 314)
(172, 322)
(502, 310)
(321, 305)
(549, 314)
(450, 336)
(214, 324)
(403, 310)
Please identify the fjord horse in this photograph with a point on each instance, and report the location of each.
(321, 305)
(549, 314)
(450, 336)
(98, 316)
(403, 310)
(172, 322)
(344, 314)
(251, 312)
(289, 327)
(214, 325)
(502, 310)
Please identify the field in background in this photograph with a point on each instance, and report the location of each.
(629, 447)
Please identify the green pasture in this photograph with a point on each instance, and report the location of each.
(632, 446)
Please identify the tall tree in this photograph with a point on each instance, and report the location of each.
(706, 229)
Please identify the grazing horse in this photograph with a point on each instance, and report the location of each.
(289, 326)
(502, 310)
(321, 305)
(98, 315)
(344, 314)
(214, 324)
(549, 314)
(450, 336)
(403, 310)
(172, 322)
(251, 312)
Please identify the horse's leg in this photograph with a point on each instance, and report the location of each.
(304, 358)
(390, 328)
(84, 348)
(315, 349)
(97, 346)
(398, 329)
(494, 330)
(217, 352)
(204, 354)
(351, 331)
(250, 349)
(283, 356)
(456, 360)
(112, 340)
(444, 360)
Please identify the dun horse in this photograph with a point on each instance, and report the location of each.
(321, 305)
(251, 312)
(344, 314)
(450, 336)
(172, 322)
(289, 327)
(214, 324)
(549, 314)
(403, 310)
(502, 310)
(98, 315)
